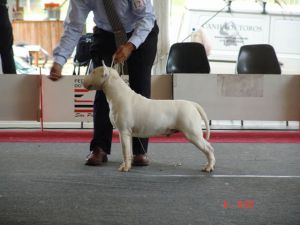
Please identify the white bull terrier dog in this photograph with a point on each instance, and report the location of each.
(136, 116)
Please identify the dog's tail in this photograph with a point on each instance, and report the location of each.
(204, 117)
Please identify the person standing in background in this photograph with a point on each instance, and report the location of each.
(6, 40)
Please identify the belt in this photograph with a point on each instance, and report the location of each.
(97, 30)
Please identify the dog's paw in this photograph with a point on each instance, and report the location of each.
(124, 168)
(208, 168)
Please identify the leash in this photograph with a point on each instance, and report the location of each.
(120, 68)
(143, 147)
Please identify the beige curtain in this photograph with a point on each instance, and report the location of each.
(162, 12)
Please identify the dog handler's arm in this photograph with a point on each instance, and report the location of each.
(55, 72)
(143, 10)
(73, 27)
(123, 52)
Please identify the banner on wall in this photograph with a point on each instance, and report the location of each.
(67, 100)
(228, 32)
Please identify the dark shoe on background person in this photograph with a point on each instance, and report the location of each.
(96, 157)
(140, 160)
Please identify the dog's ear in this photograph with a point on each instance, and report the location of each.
(105, 69)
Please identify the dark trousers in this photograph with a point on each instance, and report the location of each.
(6, 42)
(139, 70)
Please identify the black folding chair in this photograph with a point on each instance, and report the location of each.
(187, 57)
(258, 59)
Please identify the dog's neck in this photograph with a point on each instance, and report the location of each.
(116, 88)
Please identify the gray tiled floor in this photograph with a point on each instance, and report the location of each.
(47, 183)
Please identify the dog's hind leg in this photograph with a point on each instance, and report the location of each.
(206, 148)
(126, 142)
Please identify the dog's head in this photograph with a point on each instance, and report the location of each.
(96, 79)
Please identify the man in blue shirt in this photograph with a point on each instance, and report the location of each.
(138, 20)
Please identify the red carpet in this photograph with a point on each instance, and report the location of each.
(86, 135)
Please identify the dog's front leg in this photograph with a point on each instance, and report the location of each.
(126, 141)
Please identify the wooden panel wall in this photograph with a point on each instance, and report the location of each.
(44, 33)
(19, 97)
(224, 97)
(242, 97)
